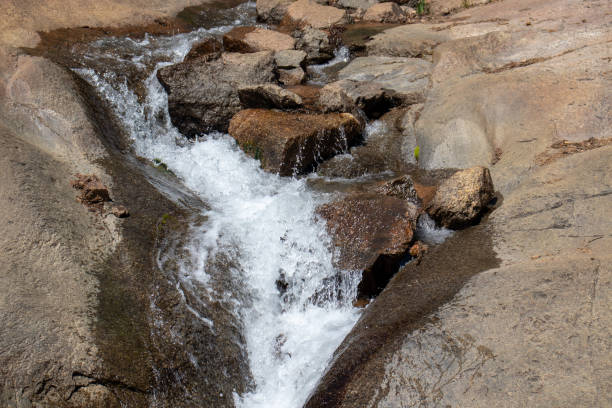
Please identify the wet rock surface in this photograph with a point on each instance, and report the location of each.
(373, 233)
(204, 96)
(293, 143)
(461, 199)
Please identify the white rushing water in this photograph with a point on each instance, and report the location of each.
(267, 223)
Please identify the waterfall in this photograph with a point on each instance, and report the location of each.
(293, 309)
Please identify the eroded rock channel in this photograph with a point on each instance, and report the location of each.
(288, 214)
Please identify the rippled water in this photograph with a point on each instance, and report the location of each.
(293, 311)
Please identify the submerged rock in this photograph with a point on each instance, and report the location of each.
(254, 39)
(373, 233)
(462, 198)
(204, 96)
(293, 143)
(268, 96)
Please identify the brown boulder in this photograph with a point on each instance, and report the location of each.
(373, 233)
(293, 143)
(310, 13)
(462, 198)
(254, 39)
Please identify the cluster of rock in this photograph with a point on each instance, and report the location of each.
(251, 85)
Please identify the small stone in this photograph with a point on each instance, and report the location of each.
(418, 249)
(93, 191)
(120, 211)
(289, 59)
(388, 12)
(291, 77)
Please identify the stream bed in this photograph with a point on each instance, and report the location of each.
(280, 285)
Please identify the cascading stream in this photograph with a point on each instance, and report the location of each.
(293, 310)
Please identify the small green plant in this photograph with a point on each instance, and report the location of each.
(165, 218)
(161, 166)
(416, 153)
(421, 7)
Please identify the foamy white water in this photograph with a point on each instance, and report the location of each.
(292, 315)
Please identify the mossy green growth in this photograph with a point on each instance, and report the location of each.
(422, 7)
(252, 149)
(161, 166)
(165, 218)
(416, 153)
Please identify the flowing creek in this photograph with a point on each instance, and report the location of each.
(265, 224)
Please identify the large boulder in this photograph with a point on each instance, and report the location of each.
(203, 96)
(254, 39)
(293, 143)
(310, 13)
(268, 96)
(376, 84)
(461, 199)
(373, 233)
(387, 12)
(272, 11)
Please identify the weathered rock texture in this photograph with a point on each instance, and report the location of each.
(268, 96)
(461, 199)
(387, 12)
(77, 286)
(510, 80)
(293, 143)
(203, 96)
(310, 13)
(376, 84)
(272, 11)
(373, 233)
(254, 39)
